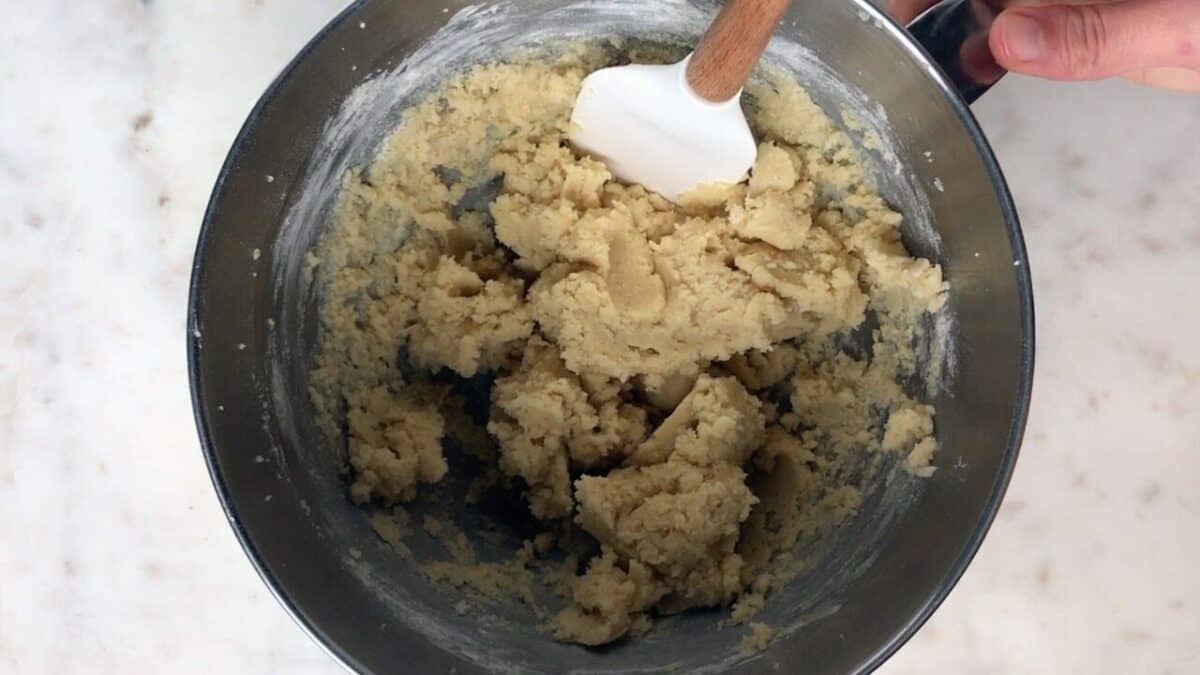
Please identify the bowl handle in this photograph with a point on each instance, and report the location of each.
(955, 33)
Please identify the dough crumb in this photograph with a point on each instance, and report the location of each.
(718, 421)
(546, 421)
(758, 639)
(607, 600)
(393, 529)
(395, 443)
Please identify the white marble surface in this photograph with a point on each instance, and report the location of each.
(114, 557)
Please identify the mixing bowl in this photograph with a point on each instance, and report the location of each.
(253, 332)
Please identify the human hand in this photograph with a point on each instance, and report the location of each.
(1155, 42)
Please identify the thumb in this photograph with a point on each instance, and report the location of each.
(1093, 41)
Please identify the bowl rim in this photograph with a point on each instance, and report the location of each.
(1016, 428)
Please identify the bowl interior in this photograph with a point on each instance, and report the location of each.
(254, 334)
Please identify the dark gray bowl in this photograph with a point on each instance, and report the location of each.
(252, 334)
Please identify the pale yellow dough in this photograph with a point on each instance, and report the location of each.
(645, 353)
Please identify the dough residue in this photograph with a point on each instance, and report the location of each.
(671, 387)
(758, 638)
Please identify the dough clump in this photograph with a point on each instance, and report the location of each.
(673, 383)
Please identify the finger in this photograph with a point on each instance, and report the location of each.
(1084, 42)
(1179, 79)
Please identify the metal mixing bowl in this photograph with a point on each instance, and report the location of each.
(253, 331)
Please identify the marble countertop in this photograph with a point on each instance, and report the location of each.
(114, 118)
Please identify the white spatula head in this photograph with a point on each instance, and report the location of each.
(649, 127)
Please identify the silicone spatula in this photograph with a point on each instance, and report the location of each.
(674, 128)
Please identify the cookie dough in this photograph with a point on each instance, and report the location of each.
(670, 384)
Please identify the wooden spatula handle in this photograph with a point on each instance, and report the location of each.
(732, 46)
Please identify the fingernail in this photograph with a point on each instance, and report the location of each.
(1024, 37)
